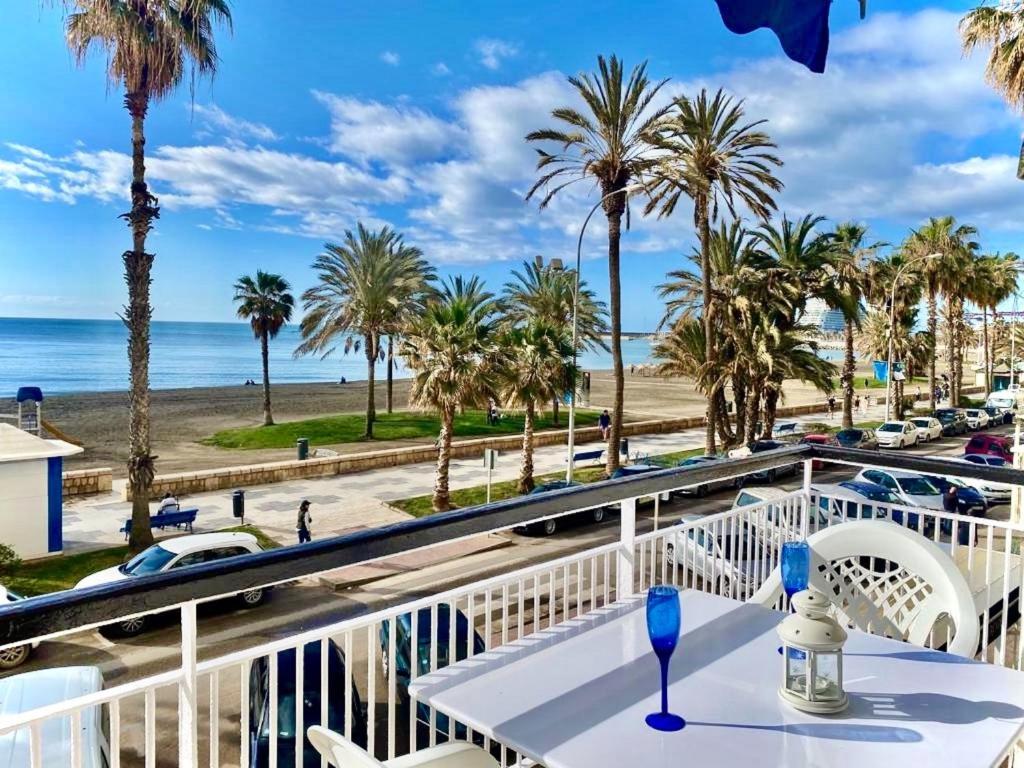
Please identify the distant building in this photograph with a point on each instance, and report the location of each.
(818, 314)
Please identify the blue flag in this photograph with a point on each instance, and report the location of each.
(800, 25)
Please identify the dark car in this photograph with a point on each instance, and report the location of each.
(998, 415)
(953, 420)
(550, 526)
(990, 445)
(857, 438)
(969, 501)
(882, 495)
(442, 628)
(705, 488)
(259, 704)
(770, 475)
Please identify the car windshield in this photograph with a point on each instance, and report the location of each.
(891, 427)
(972, 412)
(850, 434)
(921, 422)
(151, 560)
(917, 486)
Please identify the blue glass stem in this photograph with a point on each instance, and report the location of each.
(664, 684)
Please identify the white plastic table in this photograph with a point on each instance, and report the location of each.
(575, 696)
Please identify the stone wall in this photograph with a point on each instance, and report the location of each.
(83, 482)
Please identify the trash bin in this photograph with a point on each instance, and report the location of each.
(624, 446)
(302, 448)
(238, 504)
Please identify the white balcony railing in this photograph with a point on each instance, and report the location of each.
(222, 711)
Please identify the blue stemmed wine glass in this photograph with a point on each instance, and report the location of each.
(663, 622)
(796, 569)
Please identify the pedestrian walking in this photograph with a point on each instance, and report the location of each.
(604, 422)
(303, 522)
(918, 397)
(856, 403)
(831, 404)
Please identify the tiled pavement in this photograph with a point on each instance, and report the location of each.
(339, 504)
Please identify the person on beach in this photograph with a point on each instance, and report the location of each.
(167, 504)
(831, 405)
(303, 522)
(604, 422)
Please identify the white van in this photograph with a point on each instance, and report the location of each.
(1005, 399)
(42, 688)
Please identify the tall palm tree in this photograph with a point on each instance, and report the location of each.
(848, 243)
(542, 293)
(451, 349)
(1000, 27)
(535, 359)
(609, 145)
(712, 155)
(943, 236)
(150, 45)
(364, 286)
(994, 280)
(266, 303)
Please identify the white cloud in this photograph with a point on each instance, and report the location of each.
(440, 69)
(391, 58)
(218, 122)
(492, 51)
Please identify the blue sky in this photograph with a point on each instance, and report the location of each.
(413, 114)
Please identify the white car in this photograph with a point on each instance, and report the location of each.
(18, 655)
(180, 552)
(896, 434)
(911, 489)
(928, 428)
(976, 419)
(724, 560)
(994, 493)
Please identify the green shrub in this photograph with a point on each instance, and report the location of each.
(9, 560)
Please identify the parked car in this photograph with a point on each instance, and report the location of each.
(851, 500)
(549, 526)
(18, 655)
(878, 502)
(709, 487)
(818, 440)
(953, 420)
(896, 434)
(857, 438)
(997, 415)
(259, 704)
(976, 418)
(49, 687)
(912, 489)
(1006, 398)
(727, 559)
(994, 493)
(969, 500)
(171, 554)
(770, 475)
(787, 429)
(928, 428)
(989, 445)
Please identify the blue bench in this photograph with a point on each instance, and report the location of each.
(594, 455)
(183, 517)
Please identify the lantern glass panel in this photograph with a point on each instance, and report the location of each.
(826, 679)
(796, 671)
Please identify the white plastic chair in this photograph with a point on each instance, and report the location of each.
(888, 580)
(342, 753)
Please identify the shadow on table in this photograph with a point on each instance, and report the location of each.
(834, 731)
(927, 707)
(925, 655)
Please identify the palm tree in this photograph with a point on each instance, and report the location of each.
(609, 145)
(365, 286)
(536, 359)
(451, 349)
(943, 275)
(266, 303)
(150, 45)
(546, 294)
(848, 243)
(1002, 28)
(713, 156)
(994, 280)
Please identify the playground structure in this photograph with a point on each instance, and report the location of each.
(29, 417)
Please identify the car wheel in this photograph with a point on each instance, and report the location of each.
(702, 491)
(597, 515)
(253, 598)
(14, 657)
(899, 445)
(550, 526)
(771, 475)
(131, 627)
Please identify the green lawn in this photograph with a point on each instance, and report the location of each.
(57, 573)
(873, 383)
(349, 427)
(420, 506)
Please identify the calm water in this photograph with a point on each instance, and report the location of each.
(90, 356)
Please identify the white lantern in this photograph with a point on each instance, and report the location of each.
(812, 652)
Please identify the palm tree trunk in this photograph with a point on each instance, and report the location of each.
(441, 501)
(526, 468)
(268, 417)
(138, 266)
(391, 373)
(933, 329)
(951, 351)
(722, 423)
(849, 369)
(369, 344)
(958, 337)
(771, 403)
(739, 398)
(984, 341)
(700, 213)
(753, 411)
(614, 215)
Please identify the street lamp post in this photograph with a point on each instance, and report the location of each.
(892, 331)
(627, 190)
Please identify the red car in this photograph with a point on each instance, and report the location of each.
(819, 440)
(990, 445)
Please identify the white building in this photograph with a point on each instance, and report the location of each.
(31, 492)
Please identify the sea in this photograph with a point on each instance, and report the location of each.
(71, 356)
